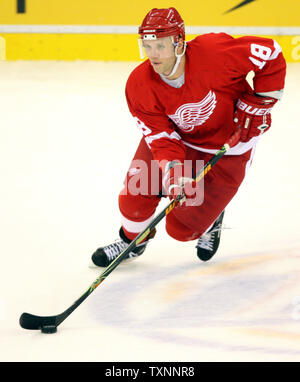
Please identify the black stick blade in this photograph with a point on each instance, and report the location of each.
(32, 322)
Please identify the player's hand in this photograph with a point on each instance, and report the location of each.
(253, 115)
(175, 182)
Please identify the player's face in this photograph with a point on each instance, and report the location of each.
(161, 53)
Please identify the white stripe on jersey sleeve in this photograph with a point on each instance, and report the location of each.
(150, 138)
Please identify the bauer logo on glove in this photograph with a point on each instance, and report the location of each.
(253, 115)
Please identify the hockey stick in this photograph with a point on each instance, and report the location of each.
(48, 324)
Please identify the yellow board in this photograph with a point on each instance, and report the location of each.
(123, 12)
(107, 47)
(282, 19)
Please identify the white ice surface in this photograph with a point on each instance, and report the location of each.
(66, 140)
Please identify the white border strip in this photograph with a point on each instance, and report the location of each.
(288, 31)
(132, 29)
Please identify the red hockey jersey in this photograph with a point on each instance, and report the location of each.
(200, 113)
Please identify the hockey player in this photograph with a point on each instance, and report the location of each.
(188, 98)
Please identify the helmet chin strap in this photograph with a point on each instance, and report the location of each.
(178, 59)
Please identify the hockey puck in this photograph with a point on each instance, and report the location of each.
(49, 329)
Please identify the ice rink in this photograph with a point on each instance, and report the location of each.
(66, 141)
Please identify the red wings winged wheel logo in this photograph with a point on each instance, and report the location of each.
(189, 115)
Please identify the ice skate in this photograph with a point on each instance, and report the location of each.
(103, 256)
(208, 243)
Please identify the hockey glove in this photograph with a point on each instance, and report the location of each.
(175, 183)
(253, 115)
